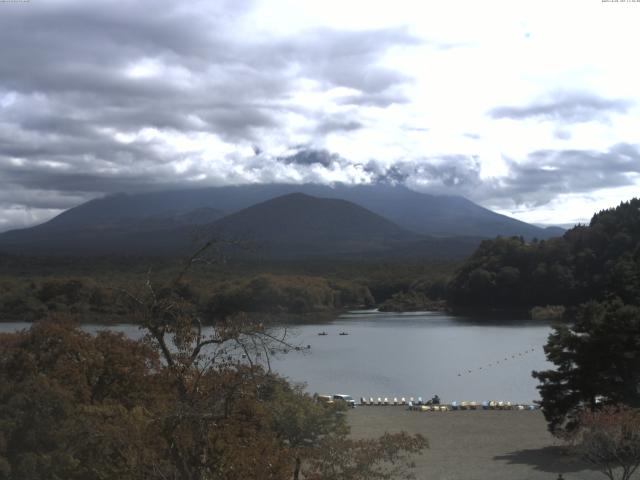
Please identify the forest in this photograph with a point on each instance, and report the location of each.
(599, 261)
(92, 288)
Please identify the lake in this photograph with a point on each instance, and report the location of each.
(410, 355)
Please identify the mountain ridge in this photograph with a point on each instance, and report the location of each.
(304, 220)
(437, 215)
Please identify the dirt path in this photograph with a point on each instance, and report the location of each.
(470, 445)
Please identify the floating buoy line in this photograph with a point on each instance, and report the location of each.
(496, 363)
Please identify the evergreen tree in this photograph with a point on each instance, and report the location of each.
(596, 359)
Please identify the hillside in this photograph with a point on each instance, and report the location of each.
(297, 218)
(595, 262)
(299, 225)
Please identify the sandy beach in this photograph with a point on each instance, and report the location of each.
(469, 445)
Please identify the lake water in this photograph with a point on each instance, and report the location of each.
(410, 355)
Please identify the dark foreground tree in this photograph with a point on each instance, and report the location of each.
(597, 361)
(609, 438)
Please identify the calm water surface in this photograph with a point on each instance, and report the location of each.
(409, 354)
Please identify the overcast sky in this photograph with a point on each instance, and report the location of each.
(529, 108)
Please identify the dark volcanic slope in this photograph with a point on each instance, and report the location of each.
(157, 234)
(419, 212)
(365, 218)
(297, 218)
(299, 225)
(293, 225)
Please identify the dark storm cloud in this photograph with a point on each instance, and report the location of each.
(566, 107)
(548, 173)
(77, 55)
(453, 174)
(310, 157)
(74, 74)
(532, 182)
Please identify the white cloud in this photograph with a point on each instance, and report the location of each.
(106, 99)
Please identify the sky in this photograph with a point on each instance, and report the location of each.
(529, 108)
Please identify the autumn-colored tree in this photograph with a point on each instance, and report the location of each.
(301, 423)
(609, 438)
(190, 401)
(75, 406)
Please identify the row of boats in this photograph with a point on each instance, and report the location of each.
(420, 405)
(322, 334)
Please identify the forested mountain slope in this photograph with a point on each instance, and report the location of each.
(598, 261)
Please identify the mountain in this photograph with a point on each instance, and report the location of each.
(161, 233)
(307, 218)
(297, 217)
(422, 213)
(297, 223)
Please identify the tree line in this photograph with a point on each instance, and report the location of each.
(598, 261)
(294, 290)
